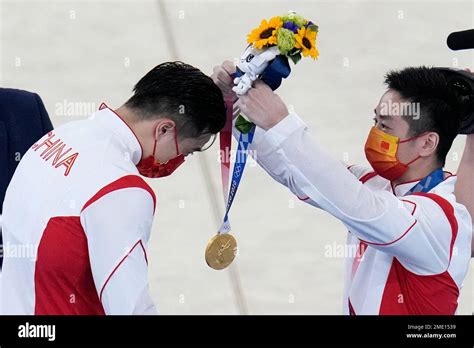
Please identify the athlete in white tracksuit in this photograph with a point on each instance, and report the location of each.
(413, 239)
(77, 214)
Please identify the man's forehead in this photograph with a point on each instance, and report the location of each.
(389, 99)
(390, 95)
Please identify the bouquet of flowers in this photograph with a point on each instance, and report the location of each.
(292, 34)
(271, 46)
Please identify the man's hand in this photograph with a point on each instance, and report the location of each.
(223, 79)
(262, 106)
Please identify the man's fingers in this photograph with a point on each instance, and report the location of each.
(225, 82)
(229, 67)
(259, 84)
(223, 72)
(241, 104)
(252, 93)
(215, 69)
(223, 76)
(258, 90)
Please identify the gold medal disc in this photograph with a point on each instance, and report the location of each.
(220, 251)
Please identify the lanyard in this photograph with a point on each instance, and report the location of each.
(428, 182)
(239, 165)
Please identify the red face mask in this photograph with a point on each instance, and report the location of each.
(381, 152)
(151, 168)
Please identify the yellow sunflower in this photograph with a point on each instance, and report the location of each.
(265, 34)
(306, 41)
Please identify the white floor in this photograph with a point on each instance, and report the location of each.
(78, 54)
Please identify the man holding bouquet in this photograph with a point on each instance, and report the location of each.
(413, 239)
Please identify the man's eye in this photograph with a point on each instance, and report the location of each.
(382, 125)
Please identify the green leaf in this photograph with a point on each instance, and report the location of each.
(243, 125)
(313, 27)
(295, 57)
(294, 51)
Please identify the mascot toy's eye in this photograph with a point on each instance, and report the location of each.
(249, 58)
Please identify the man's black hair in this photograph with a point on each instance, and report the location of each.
(182, 93)
(438, 104)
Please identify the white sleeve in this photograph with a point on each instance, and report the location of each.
(359, 170)
(145, 305)
(117, 227)
(273, 161)
(377, 217)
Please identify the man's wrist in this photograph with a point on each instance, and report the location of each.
(275, 120)
(289, 124)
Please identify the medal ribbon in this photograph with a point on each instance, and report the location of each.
(225, 141)
(239, 165)
(428, 182)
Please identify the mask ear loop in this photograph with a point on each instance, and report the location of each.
(154, 151)
(407, 164)
(410, 139)
(176, 141)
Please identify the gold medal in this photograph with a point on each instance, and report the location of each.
(220, 251)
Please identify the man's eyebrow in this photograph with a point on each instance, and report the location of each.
(386, 117)
(383, 117)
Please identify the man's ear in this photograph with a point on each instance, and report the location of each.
(430, 144)
(164, 126)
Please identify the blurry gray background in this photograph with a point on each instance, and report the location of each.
(76, 54)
